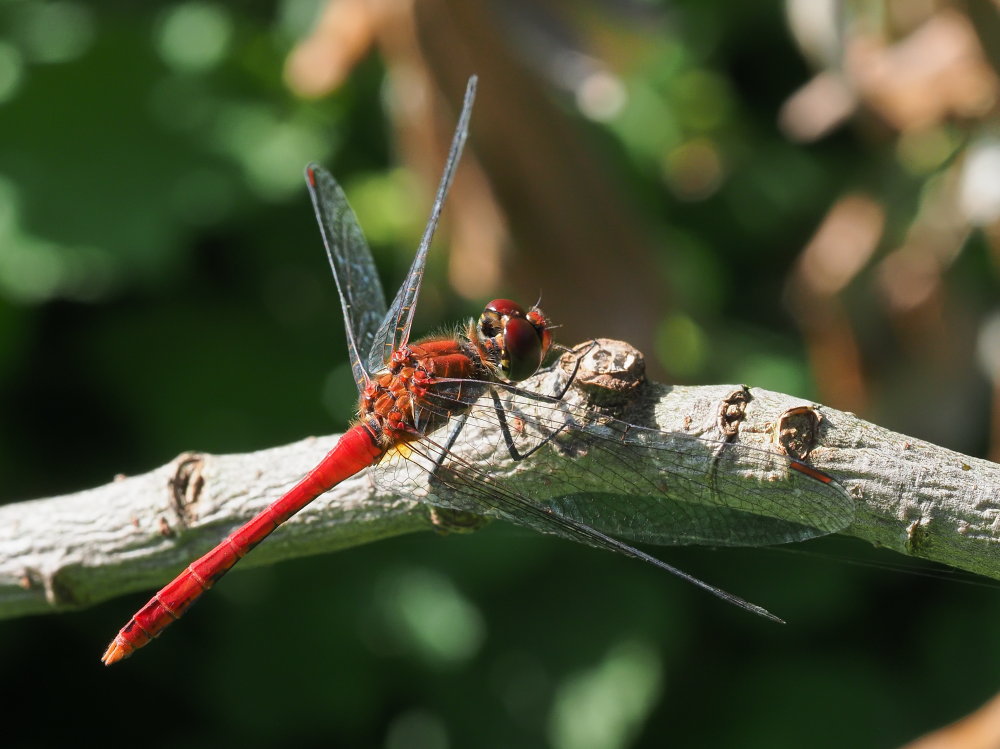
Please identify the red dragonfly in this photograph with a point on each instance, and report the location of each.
(628, 480)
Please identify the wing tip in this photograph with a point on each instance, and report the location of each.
(312, 168)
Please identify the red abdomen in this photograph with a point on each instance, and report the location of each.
(355, 450)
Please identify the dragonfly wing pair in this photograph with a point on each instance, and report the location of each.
(373, 333)
(636, 483)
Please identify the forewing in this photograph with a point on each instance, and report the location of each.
(633, 482)
(395, 328)
(360, 290)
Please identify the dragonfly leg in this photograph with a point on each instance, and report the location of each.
(452, 436)
(508, 438)
(448, 520)
(576, 368)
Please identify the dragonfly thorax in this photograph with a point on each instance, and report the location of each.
(517, 340)
(424, 385)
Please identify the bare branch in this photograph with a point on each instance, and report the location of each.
(136, 533)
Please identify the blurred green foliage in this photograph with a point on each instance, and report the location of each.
(163, 288)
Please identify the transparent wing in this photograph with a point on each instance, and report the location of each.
(633, 482)
(395, 328)
(360, 290)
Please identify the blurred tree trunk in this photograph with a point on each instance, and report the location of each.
(576, 240)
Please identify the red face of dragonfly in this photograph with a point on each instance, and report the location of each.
(523, 338)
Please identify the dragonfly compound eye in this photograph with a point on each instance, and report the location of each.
(521, 337)
(495, 316)
(522, 349)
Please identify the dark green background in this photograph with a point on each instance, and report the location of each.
(161, 291)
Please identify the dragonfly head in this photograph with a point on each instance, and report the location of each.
(522, 338)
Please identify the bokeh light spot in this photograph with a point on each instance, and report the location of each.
(694, 170)
(431, 617)
(11, 71)
(53, 32)
(416, 729)
(385, 206)
(601, 96)
(603, 708)
(272, 152)
(922, 151)
(979, 193)
(680, 345)
(194, 37)
(33, 270)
